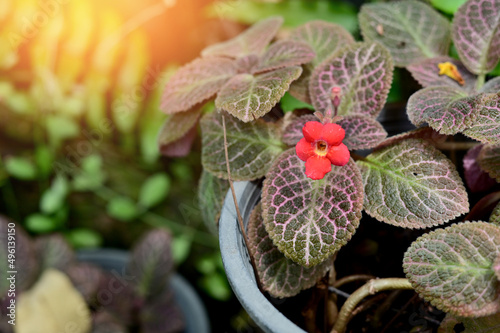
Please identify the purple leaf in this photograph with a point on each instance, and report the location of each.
(180, 147)
(426, 72)
(247, 63)
(309, 220)
(280, 276)
(293, 132)
(86, 278)
(476, 34)
(363, 71)
(452, 268)
(151, 262)
(412, 31)
(425, 133)
(489, 160)
(26, 263)
(324, 38)
(53, 251)
(486, 127)
(253, 40)
(178, 132)
(412, 185)
(116, 295)
(491, 86)
(285, 53)
(362, 132)
(476, 179)
(196, 82)
(103, 322)
(162, 315)
(252, 147)
(248, 97)
(446, 109)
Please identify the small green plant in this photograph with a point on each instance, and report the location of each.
(310, 209)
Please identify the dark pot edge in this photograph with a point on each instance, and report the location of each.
(237, 264)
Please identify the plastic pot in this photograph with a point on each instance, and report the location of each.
(195, 316)
(237, 265)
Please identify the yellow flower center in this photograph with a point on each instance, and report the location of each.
(450, 70)
(321, 148)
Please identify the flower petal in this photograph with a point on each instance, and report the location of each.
(304, 149)
(338, 155)
(312, 130)
(317, 167)
(333, 134)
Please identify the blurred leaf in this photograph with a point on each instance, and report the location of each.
(53, 252)
(60, 128)
(216, 286)
(154, 190)
(211, 194)
(20, 167)
(84, 238)
(447, 6)
(289, 103)
(162, 315)
(91, 176)
(207, 265)
(54, 197)
(103, 322)
(44, 160)
(38, 223)
(123, 209)
(181, 247)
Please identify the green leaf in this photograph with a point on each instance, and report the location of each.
(39, 224)
(447, 6)
(284, 53)
(486, 126)
(476, 35)
(452, 268)
(84, 238)
(411, 184)
(411, 30)
(211, 194)
(249, 97)
(20, 168)
(281, 277)
(44, 159)
(488, 324)
(60, 128)
(123, 209)
(216, 286)
(309, 220)
(251, 41)
(495, 215)
(251, 146)
(289, 103)
(181, 247)
(154, 190)
(54, 197)
(91, 175)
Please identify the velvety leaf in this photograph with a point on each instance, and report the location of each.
(285, 53)
(425, 133)
(103, 322)
(476, 179)
(488, 324)
(445, 109)
(363, 71)
(452, 268)
(180, 147)
(25, 263)
(176, 127)
(154, 190)
(476, 34)
(251, 146)
(86, 278)
(253, 40)
(412, 185)
(362, 132)
(486, 127)
(426, 72)
(53, 251)
(324, 38)
(211, 194)
(411, 30)
(280, 276)
(491, 86)
(496, 266)
(151, 262)
(293, 132)
(162, 315)
(196, 82)
(489, 160)
(448, 324)
(249, 97)
(309, 220)
(495, 215)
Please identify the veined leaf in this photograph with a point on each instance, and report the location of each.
(324, 38)
(495, 215)
(177, 126)
(293, 132)
(362, 132)
(309, 220)
(196, 82)
(476, 34)
(488, 324)
(486, 126)
(285, 53)
(53, 251)
(211, 194)
(453, 268)
(280, 276)
(411, 30)
(363, 71)
(252, 147)
(249, 97)
(447, 110)
(411, 184)
(489, 160)
(253, 40)
(491, 86)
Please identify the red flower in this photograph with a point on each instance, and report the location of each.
(321, 147)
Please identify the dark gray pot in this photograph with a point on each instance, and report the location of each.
(237, 265)
(195, 316)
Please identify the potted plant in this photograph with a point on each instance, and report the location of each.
(304, 178)
(46, 287)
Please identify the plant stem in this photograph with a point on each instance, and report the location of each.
(480, 81)
(238, 213)
(352, 278)
(370, 288)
